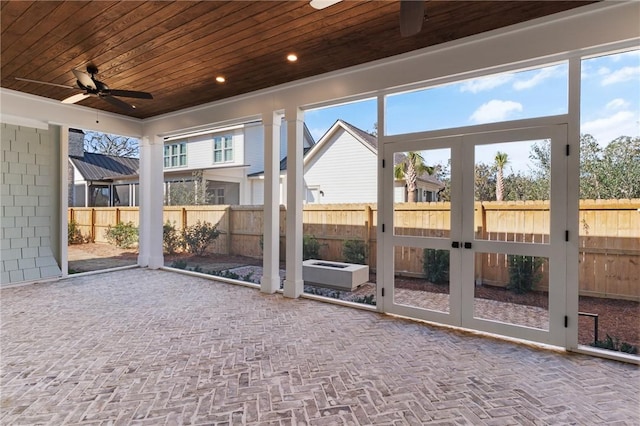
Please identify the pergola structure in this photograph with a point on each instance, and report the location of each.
(568, 35)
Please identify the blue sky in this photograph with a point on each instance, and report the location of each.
(610, 104)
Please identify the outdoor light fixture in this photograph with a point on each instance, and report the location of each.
(220, 79)
(292, 57)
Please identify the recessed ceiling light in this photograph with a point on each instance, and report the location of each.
(220, 79)
(292, 57)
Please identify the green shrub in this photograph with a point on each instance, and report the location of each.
(310, 247)
(179, 264)
(613, 344)
(365, 300)
(248, 277)
(196, 238)
(74, 234)
(354, 251)
(524, 273)
(123, 235)
(171, 238)
(435, 265)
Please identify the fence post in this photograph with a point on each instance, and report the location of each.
(480, 217)
(184, 218)
(93, 225)
(228, 214)
(117, 215)
(368, 221)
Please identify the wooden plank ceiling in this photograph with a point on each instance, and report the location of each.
(174, 50)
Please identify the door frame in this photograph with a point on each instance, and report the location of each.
(461, 297)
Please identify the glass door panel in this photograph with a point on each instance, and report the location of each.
(512, 289)
(516, 202)
(421, 193)
(421, 278)
(420, 242)
(512, 191)
(465, 258)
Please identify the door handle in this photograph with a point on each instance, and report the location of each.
(467, 245)
(455, 244)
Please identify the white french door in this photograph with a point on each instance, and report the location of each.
(472, 261)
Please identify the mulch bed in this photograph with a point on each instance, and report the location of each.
(619, 319)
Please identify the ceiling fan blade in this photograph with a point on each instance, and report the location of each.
(321, 4)
(75, 98)
(117, 102)
(411, 17)
(44, 82)
(130, 94)
(84, 79)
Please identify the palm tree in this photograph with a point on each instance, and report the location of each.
(411, 166)
(501, 161)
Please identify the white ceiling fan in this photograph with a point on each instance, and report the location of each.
(411, 14)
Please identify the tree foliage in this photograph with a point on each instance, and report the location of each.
(188, 192)
(104, 143)
(409, 168)
(610, 172)
(501, 160)
(606, 172)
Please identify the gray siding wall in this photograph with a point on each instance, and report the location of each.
(30, 181)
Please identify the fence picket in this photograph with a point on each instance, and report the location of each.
(609, 242)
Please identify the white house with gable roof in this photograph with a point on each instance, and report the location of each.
(342, 168)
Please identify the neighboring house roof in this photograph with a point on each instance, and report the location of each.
(364, 137)
(94, 166)
(283, 164)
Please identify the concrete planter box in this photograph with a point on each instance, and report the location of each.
(336, 275)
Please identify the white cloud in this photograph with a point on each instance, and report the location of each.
(603, 71)
(631, 54)
(485, 83)
(621, 75)
(622, 123)
(495, 110)
(617, 103)
(536, 79)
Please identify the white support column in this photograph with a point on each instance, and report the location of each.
(64, 200)
(270, 281)
(383, 199)
(151, 180)
(294, 284)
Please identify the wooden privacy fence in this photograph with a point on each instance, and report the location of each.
(609, 243)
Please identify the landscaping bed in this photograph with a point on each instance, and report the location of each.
(619, 319)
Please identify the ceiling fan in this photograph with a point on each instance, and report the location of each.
(93, 87)
(411, 14)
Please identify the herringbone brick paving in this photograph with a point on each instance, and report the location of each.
(153, 348)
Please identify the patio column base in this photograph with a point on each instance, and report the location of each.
(293, 289)
(269, 284)
(156, 262)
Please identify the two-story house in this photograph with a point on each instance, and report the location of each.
(342, 168)
(215, 165)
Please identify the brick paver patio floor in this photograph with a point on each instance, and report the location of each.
(156, 347)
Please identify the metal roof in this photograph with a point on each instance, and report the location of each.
(94, 166)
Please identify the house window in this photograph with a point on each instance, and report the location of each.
(175, 155)
(222, 149)
(217, 196)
